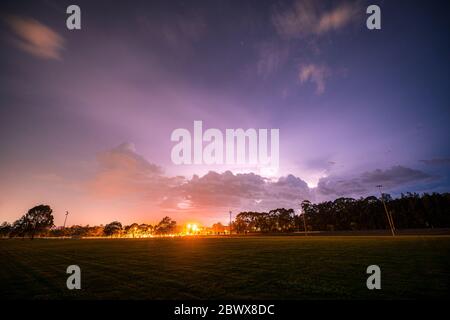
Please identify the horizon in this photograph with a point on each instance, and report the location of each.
(225, 221)
(86, 115)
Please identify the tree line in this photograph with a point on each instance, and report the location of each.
(38, 221)
(410, 211)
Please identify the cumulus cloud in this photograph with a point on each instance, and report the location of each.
(317, 74)
(287, 192)
(35, 38)
(306, 17)
(124, 174)
(226, 189)
(394, 176)
(245, 191)
(366, 182)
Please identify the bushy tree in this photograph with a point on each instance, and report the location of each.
(408, 211)
(113, 228)
(36, 221)
(5, 229)
(166, 226)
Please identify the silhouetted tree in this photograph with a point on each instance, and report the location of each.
(165, 226)
(408, 211)
(5, 229)
(113, 228)
(37, 220)
(132, 229)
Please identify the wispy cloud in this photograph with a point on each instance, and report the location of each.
(336, 19)
(306, 17)
(178, 32)
(272, 57)
(316, 74)
(35, 38)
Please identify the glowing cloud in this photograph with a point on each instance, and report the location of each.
(35, 38)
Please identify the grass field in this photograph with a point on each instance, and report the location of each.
(227, 268)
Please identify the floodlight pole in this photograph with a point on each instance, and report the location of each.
(304, 223)
(388, 215)
(65, 219)
(303, 214)
(229, 226)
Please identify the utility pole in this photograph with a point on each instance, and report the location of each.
(229, 226)
(388, 214)
(65, 219)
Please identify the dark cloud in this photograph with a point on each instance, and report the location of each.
(394, 176)
(366, 182)
(436, 161)
(320, 163)
(123, 173)
(245, 191)
(226, 189)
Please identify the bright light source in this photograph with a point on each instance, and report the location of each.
(192, 228)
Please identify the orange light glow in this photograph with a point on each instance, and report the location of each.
(192, 228)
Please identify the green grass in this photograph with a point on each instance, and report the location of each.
(227, 268)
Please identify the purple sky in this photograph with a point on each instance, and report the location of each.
(86, 116)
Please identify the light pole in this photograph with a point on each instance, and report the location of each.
(65, 219)
(64, 225)
(304, 224)
(229, 226)
(388, 214)
(303, 213)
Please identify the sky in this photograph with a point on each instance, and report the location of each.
(86, 115)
